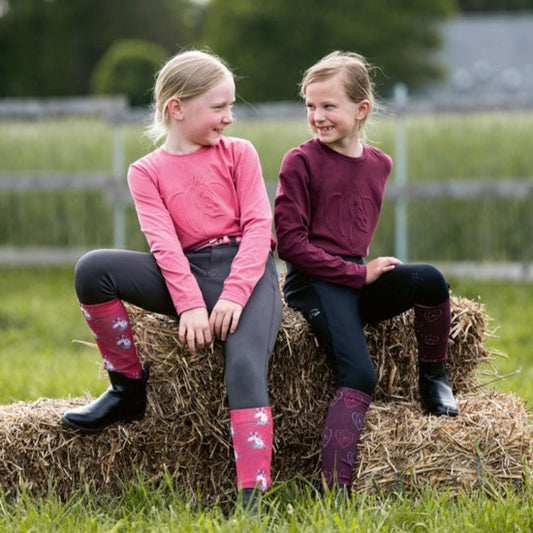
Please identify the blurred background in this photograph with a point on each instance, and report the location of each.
(455, 85)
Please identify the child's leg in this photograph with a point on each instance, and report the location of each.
(252, 433)
(110, 326)
(432, 330)
(424, 288)
(248, 350)
(103, 278)
(247, 354)
(333, 313)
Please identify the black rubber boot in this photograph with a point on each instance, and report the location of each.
(250, 501)
(435, 392)
(341, 496)
(123, 401)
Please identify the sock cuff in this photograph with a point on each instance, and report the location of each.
(351, 396)
(104, 308)
(433, 312)
(260, 415)
(443, 303)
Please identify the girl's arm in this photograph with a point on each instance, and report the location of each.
(157, 226)
(256, 226)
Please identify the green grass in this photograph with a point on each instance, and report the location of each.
(510, 305)
(65, 146)
(39, 318)
(288, 509)
(444, 146)
(487, 145)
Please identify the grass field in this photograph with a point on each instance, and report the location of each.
(39, 319)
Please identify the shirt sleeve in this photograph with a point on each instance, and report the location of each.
(156, 224)
(292, 214)
(255, 223)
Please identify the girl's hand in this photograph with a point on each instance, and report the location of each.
(194, 328)
(377, 267)
(224, 318)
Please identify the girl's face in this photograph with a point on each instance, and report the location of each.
(333, 117)
(202, 119)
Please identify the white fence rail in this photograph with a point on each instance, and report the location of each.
(117, 194)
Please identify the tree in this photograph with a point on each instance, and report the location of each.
(269, 44)
(128, 67)
(50, 47)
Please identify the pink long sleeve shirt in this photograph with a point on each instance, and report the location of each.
(327, 206)
(185, 201)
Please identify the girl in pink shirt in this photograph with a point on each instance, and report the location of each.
(327, 208)
(203, 207)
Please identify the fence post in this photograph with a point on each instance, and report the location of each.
(119, 214)
(400, 172)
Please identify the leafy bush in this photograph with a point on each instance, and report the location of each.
(128, 67)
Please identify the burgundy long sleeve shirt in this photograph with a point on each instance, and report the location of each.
(327, 206)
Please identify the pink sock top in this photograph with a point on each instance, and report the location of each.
(252, 434)
(185, 201)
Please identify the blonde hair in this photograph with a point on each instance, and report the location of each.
(184, 76)
(355, 72)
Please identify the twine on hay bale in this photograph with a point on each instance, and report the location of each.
(186, 428)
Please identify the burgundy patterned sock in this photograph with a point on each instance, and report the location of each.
(110, 325)
(432, 329)
(340, 437)
(252, 432)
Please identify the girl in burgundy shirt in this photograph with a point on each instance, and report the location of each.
(326, 211)
(203, 207)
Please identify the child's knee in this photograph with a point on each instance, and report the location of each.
(435, 288)
(86, 274)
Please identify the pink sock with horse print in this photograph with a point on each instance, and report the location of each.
(110, 325)
(252, 433)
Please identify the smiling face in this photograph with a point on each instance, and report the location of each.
(333, 117)
(206, 116)
(200, 121)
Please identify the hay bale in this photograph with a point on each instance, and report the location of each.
(186, 430)
(392, 345)
(487, 447)
(36, 452)
(190, 388)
